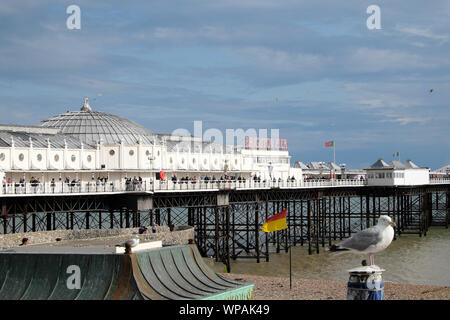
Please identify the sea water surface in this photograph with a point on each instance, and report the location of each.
(409, 259)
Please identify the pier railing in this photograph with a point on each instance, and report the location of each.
(440, 181)
(165, 186)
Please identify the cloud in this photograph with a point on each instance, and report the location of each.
(375, 60)
(166, 64)
(422, 32)
(283, 61)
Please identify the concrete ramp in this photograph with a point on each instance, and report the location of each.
(176, 272)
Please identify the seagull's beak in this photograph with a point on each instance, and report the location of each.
(392, 223)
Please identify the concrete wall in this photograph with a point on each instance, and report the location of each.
(180, 235)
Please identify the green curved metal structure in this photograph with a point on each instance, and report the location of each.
(169, 273)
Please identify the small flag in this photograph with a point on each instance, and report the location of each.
(276, 222)
(396, 154)
(329, 144)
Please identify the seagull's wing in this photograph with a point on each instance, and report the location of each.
(363, 239)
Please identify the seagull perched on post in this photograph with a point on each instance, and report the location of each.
(133, 243)
(370, 240)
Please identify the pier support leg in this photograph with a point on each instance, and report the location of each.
(308, 219)
(447, 210)
(257, 231)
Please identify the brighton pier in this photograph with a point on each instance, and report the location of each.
(88, 169)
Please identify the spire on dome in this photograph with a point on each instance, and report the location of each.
(86, 106)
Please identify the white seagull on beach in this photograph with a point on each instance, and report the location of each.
(370, 240)
(133, 243)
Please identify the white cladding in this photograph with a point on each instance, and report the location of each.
(140, 157)
(64, 151)
(396, 173)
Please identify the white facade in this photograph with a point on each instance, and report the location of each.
(396, 174)
(47, 154)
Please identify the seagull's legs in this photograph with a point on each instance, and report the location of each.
(372, 261)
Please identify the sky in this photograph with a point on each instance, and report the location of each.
(311, 69)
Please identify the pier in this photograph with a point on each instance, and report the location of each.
(227, 216)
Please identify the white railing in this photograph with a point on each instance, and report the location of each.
(440, 181)
(165, 186)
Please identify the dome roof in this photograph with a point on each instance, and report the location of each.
(90, 126)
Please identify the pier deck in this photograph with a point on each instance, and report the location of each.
(228, 216)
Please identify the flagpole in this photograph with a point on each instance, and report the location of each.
(334, 151)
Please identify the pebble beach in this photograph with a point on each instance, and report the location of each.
(277, 288)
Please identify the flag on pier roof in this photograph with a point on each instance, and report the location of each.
(276, 222)
(329, 144)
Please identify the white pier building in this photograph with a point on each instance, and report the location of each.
(89, 148)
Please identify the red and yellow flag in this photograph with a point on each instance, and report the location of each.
(276, 222)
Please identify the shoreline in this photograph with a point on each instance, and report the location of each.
(277, 288)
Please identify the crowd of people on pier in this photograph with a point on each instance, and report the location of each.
(137, 183)
(206, 179)
(134, 184)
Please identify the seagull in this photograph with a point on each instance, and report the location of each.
(133, 243)
(370, 240)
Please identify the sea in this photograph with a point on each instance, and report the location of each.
(410, 259)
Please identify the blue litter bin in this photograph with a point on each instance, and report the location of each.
(365, 283)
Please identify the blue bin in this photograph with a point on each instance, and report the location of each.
(365, 284)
